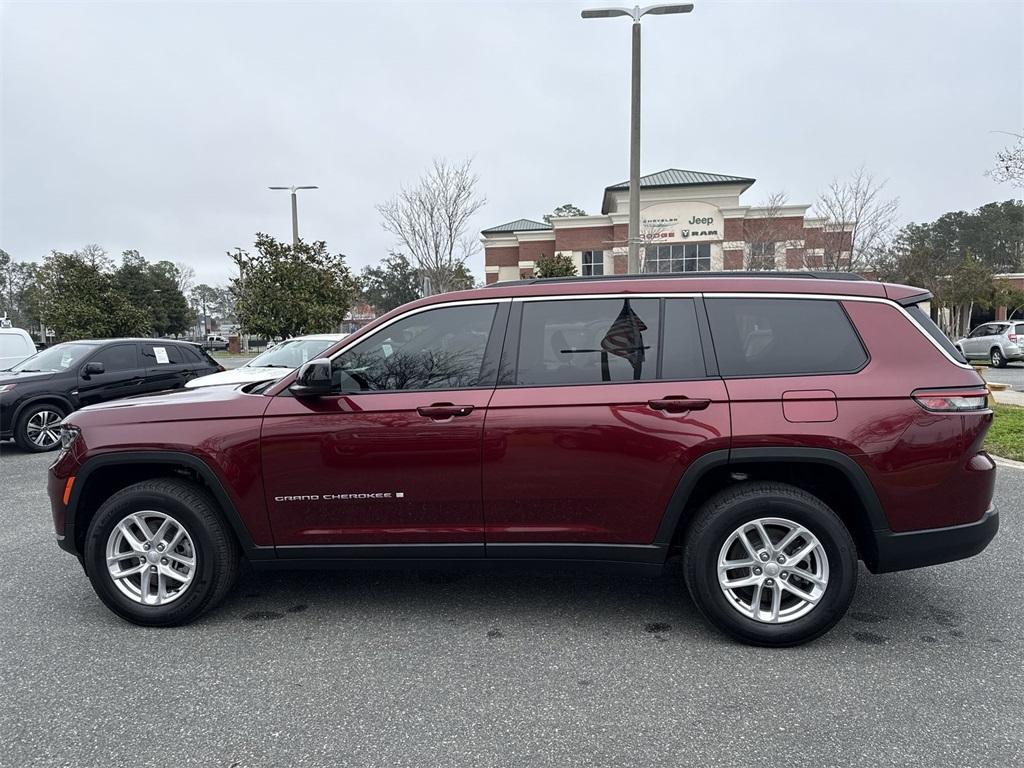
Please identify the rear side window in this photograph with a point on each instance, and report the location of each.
(783, 337)
(1019, 330)
(588, 341)
(683, 356)
(154, 355)
(925, 321)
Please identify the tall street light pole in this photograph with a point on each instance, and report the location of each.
(636, 13)
(295, 212)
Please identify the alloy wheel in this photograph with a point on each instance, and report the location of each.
(43, 428)
(773, 570)
(151, 558)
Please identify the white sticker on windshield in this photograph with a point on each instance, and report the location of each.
(161, 355)
(66, 359)
(386, 348)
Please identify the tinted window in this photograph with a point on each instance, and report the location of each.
(935, 332)
(154, 355)
(780, 337)
(119, 357)
(1020, 330)
(683, 357)
(588, 341)
(437, 349)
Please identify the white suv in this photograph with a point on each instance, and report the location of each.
(999, 342)
(15, 346)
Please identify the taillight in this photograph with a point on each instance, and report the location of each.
(946, 400)
(1012, 337)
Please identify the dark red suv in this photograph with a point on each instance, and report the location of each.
(770, 431)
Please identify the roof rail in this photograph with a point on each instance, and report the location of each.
(682, 276)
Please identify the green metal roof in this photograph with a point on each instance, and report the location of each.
(519, 225)
(673, 177)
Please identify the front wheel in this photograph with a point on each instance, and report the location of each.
(998, 361)
(158, 553)
(770, 564)
(38, 428)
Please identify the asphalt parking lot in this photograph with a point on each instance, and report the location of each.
(1012, 374)
(422, 669)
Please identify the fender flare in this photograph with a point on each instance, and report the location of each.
(167, 458)
(41, 397)
(851, 470)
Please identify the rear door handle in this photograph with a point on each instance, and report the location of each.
(442, 411)
(679, 403)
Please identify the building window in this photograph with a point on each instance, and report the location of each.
(680, 257)
(593, 263)
(762, 255)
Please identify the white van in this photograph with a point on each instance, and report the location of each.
(15, 346)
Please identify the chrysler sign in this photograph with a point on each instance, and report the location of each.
(679, 222)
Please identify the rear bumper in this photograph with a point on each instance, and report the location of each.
(915, 549)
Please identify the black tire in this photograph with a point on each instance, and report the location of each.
(723, 514)
(21, 436)
(216, 551)
(997, 359)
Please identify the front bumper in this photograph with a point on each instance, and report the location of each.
(916, 549)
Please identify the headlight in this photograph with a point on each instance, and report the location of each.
(68, 435)
(6, 388)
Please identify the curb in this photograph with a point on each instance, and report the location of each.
(1000, 461)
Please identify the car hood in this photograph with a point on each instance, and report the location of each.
(205, 403)
(12, 377)
(242, 375)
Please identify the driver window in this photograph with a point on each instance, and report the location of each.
(435, 349)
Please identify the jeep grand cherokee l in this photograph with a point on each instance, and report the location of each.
(768, 431)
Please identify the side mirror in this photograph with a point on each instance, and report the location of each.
(314, 379)
(91, 369)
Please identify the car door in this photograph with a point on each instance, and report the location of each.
(122, 374)
(975, 345)
(165, 366)
(393, 458)
(603, 404)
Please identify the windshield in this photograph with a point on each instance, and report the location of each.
(56, 358)
(290, 354)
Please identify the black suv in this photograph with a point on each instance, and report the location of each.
(38, 392)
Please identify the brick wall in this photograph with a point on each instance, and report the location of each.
(732, 259)
(583, 239)
(501, 257)
(531, 251)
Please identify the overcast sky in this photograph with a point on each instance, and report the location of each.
(159, 126)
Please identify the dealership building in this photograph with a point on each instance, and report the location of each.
(690, 221)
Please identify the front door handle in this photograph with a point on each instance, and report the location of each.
(679, 403)
(442, 411)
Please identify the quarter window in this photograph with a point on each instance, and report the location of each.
(435, 349)
(593, 263)
(588, 341)
(783, 337)
(678, 257)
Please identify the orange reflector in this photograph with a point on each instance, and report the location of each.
(67, 489)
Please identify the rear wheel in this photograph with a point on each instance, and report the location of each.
(996, 356)
(770, 564)
(38, 427)
(159, 554)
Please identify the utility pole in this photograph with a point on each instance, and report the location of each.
(636, 13)
(295, 211)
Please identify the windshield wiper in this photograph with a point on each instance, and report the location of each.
(273, 365)
(30, 370)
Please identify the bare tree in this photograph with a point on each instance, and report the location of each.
(1009, 166)
(431, 221)
(859, 221)
(766, 232)
(186, 277)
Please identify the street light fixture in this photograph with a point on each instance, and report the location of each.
(635, 13)
(295, 211)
